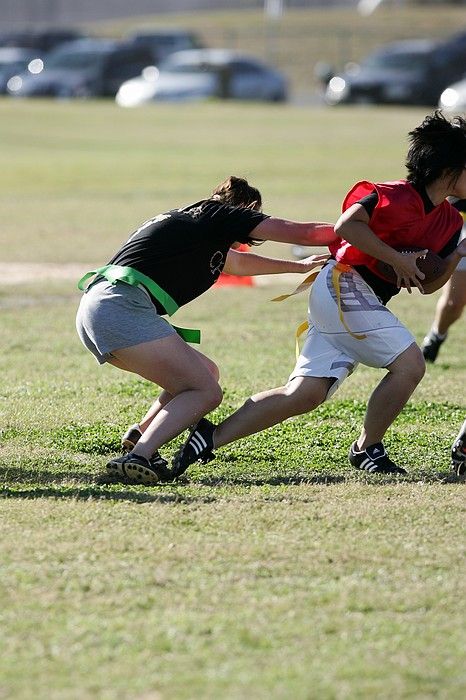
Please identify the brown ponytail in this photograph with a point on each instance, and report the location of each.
(237, 192)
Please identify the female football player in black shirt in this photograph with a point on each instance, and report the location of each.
(168, 261)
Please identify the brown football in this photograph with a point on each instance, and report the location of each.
(432, 265)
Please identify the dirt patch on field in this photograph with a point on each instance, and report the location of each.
(24, 273)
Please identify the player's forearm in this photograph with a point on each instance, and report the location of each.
(319, 233)
(313, 233)
(362, 237)
(244, 264)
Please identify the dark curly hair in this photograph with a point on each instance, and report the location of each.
(237, 192)
(438, 147)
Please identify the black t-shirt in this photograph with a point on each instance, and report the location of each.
(386, 290)
(184, 250)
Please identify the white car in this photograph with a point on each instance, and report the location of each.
(205, 73)
(453, 98)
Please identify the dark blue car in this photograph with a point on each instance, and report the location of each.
(84, 68)
(411, 72)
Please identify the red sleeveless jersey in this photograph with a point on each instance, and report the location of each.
(399, 219)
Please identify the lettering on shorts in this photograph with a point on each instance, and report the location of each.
(354, 296)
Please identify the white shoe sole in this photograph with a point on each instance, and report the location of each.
(134, 472)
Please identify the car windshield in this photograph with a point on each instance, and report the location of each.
(396, 60)
(189, 67)
(74, 61)
(13, 65)
(161, 40)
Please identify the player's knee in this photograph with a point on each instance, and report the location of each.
(213, 368)
(416, 367)
(305, 394)
(212, 395)
(410, 366)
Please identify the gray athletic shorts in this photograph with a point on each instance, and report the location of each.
(115, 316)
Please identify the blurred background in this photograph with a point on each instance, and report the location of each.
(302, 51)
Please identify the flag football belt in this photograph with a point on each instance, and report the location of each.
(304, 326)
(120, 273)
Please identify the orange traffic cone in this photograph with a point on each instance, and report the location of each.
(239, 280)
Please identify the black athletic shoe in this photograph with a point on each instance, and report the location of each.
(374, 460)
(458, 455)
(198, 447)
(431, 346)
(130, 438)
(139, 469)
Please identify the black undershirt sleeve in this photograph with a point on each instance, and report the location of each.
(451, 245)
(369, 202)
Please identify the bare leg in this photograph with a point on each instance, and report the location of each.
(391, 395)
(154, 410)
(263, 410)
(165, 396)
(451, 303)
(178, 369)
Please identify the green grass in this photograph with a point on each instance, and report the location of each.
(297, 593)
(88, 185)
(274, 571)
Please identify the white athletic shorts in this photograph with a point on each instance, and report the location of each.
(329, 349)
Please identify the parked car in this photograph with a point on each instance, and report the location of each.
(205, 73)
(163, 42)
(405, 72)
(457, 42)
(84, 68)
(40, 41)
(12, 62)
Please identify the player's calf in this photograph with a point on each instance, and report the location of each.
(130, 439)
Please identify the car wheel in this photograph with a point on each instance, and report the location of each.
(279, 97)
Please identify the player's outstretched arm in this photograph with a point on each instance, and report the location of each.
(238, 263)
(319, 233)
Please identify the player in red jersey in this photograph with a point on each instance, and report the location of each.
(348, 320)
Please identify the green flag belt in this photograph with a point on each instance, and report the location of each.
(120, 273)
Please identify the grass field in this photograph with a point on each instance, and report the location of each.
(275, 571)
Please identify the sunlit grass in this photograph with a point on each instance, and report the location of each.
(275, 570)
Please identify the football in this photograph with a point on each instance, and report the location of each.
(431, 264)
